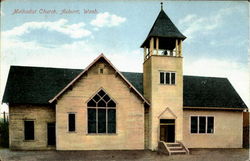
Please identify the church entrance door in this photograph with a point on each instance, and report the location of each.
(167, 130)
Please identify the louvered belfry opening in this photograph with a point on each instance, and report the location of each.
(101, 114)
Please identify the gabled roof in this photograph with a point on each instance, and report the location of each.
(86, 70)
(37, 85)
(164, 27)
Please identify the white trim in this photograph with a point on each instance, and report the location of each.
(170, 111)
(170, 76)
(214, 108)
(198, 124)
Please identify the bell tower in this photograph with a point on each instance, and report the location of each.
(163, 81)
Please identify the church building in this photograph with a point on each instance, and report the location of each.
(101, 108)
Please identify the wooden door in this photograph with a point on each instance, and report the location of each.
(51, 134)
(167, 130)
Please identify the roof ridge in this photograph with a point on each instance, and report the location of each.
(205, 76)
(23, 66)
(65, 68)
(131, 72)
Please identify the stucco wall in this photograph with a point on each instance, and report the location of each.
(41, 116)
(227, 130)
(129, 113)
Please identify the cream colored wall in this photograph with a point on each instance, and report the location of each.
(163, 96)
(41, 116)
(147, 83)
(227, 130)
(129, 114)
(146, 128)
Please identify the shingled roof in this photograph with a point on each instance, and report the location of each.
(210, 92)
(164, 27)
(37, 85)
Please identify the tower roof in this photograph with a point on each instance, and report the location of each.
(164, 27)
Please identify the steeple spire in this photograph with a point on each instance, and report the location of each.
(164, 28)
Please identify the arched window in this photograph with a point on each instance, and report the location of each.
(101, 114)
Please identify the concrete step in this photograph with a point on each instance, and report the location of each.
(172, 148)
(173, 144)
(175, 148)
(177, 152)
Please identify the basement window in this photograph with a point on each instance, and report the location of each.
(71, 122)
(29, 130)
(101, 114)
(202, 124)
(167, 78)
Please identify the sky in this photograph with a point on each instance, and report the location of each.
(41, 33)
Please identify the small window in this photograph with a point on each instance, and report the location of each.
(71, 122)
(167, 80)
(194, 124)
(172, 78)
(162, 77)
(202, 124)
(29, 130)
(210, 124)
(101, 70)
(167, 77)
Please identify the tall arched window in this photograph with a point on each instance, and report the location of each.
(101, 114)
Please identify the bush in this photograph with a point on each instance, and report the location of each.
(4, 134)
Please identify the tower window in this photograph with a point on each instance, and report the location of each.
(162, 77)
(167, 77)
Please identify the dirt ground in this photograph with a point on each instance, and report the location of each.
(145, 155)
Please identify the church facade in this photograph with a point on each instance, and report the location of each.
(101, 108)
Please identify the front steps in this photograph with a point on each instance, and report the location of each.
(172, 148)
(175, 148)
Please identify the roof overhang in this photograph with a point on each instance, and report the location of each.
(215, 108)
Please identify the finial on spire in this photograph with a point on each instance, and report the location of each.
(161, 6)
